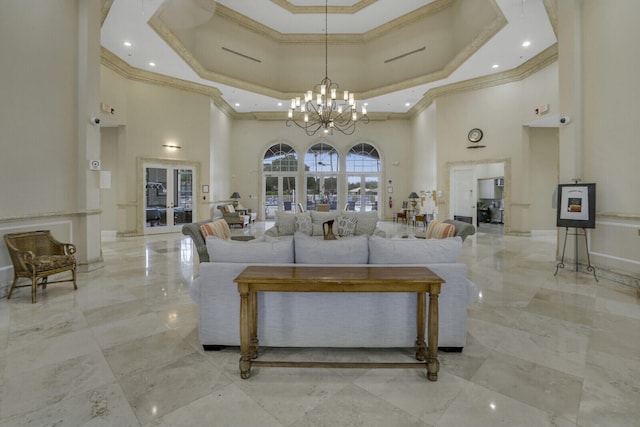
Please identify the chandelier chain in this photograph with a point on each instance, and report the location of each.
(327, 113)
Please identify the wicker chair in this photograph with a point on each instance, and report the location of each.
(36, 255)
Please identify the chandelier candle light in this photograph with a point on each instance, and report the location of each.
(326, 113)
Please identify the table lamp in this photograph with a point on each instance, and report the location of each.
(235, 196)
(414, 199)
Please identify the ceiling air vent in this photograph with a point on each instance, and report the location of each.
(226, 49)
(404, 55)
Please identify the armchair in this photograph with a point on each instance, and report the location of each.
(218, 228)
(232, 217)
(36, 255)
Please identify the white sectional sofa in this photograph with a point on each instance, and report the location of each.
(330, 319)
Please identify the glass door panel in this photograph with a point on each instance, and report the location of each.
(168, 198)
(279, 194)
(371, 193)
(362, 194)
(322, 192)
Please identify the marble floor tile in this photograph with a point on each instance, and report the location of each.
(50, 384)
(227, 407)
(157, 350)
(123, 350)
(479, 406)
(104, 406)
(159, 390)
(611, 391)
(354, 406)
(539, 386)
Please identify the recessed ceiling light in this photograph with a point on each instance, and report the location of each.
(237, 104)
(152, 64)
(279, 104)
(495, 66)
(407, 104)
(366, 103)
(127, 44)
(526, 43)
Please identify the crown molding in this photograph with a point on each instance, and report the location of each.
(535, 64)
(321, 9)
(106, 7)
(114, 63)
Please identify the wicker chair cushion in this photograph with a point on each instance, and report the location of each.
(52, 262)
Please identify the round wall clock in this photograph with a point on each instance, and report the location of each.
(475, 135)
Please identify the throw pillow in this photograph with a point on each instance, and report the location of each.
(311, 250)
(218, 228)
(303, 223)
(286, 223)
(229, 209)
(367, 221)
(414, 251)
(347, 225)
(440, 230)
(266, 252)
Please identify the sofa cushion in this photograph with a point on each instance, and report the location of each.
(303, 223)
(440, 230)
(266, 251)
(286, 223)
(414, 251)
(349, 250)
(347, 225)
(217, 228)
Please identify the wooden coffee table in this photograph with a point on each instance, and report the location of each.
(420, 280)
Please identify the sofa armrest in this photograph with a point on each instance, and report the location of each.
(193, 230)
(463, 229)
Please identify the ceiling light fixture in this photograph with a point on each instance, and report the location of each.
(127, 44)
(172, 146)
(526, 43)
(495, 66)
(152, 64)
(326, 113)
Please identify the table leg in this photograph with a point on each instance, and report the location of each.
(253, 301)
(433, 366)
(421, 309)
(245, 332)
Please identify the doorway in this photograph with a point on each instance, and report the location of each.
(479, 194)
(168, 195)
(279, 194)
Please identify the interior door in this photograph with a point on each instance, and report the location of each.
(463, 195)
(168, 198)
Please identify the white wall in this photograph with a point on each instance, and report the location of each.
(48, 78)
(500, 111)
(424, 143)
(543, 176)
(601, 144)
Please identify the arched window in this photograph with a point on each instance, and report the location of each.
(279, 174)
(321, 165)
(363, 178)
(280, 158)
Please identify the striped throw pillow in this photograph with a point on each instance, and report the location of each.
(218, 228)
(440, 230)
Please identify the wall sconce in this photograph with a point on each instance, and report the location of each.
(172, 146)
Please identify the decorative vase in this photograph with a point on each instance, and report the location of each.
(327, 230)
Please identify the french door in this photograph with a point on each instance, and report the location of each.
(279, 194)
(362, 193)
(168, 197)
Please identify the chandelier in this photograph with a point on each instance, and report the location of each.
(327, 112)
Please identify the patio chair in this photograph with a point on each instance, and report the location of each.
(36, 255)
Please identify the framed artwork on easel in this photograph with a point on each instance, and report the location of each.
(576, 205)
